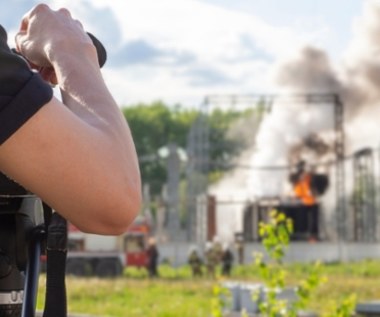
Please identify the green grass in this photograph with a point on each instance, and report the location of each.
(177, 294)
(172, 296)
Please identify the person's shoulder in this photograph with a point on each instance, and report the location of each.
(3, 35)
(3, 39)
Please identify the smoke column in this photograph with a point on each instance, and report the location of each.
(357, 81)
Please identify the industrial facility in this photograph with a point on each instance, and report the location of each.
(299, 161)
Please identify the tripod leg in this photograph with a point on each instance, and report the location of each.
(32, 274)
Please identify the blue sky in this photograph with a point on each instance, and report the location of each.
(179, 51)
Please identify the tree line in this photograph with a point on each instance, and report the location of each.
(155, 125)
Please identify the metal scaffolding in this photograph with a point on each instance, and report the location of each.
(364, 197)
(196, 174)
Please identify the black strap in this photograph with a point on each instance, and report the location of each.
(56, 252)
(47, 215)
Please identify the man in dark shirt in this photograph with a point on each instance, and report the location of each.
(78, 155)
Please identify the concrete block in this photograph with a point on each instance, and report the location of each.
(371, 308)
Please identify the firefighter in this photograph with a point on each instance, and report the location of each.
(218, 249)
(152, 255)
(195, 262)
(212, 259)
(227, 260)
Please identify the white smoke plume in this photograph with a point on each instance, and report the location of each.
(356, 79)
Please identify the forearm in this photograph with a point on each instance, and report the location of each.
(79, 157)
(85, 94)
(84, 91)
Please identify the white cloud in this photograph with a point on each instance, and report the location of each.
(209, 31)
(236, 45)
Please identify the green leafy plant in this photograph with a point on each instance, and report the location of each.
(275, 236)
(218, 301)
(343, 308)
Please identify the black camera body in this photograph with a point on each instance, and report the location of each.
(20, 214)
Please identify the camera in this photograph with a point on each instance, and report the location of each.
(100, 50)
(20, 217)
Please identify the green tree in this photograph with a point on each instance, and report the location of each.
(154, 126)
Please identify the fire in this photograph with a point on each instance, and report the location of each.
(302, 190)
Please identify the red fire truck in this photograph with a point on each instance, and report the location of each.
(91, 254)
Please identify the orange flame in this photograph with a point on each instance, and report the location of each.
(302, 190)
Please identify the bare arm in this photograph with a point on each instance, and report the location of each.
(80, 159)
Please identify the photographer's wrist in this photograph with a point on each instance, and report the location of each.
(57, 54)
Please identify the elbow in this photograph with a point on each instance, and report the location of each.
(116, 213)
(129, 208)
(125, 211)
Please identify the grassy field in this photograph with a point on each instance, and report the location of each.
(177, 294)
